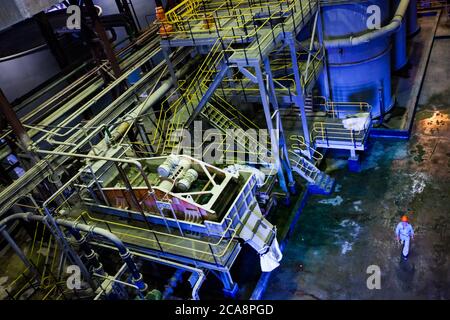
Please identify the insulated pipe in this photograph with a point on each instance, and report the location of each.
(158, 94)
(123, 251)
(392, 27)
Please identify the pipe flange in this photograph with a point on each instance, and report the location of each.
(125, 255)
(99, 269)
(91, 255)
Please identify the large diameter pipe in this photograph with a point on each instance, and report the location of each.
(392, 27)
(123, 250)
(158, 94)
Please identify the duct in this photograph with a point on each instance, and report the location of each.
(392, 27)
(123, 250)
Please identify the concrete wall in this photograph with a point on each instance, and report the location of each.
(21, 75)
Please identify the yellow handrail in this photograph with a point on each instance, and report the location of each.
(301, 145)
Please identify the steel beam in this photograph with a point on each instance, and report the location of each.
(17, 127)
(299, 97)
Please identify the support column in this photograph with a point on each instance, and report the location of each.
(283, 146)
(166, 52)
(274, 141)
(230, 288)
(101, 33)
(354, 162)
(299, 98)
(204, 97)
(16, 126)
(147, 145)
(124, 8)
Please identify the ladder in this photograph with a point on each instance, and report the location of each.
(219, 120)
(319, 182)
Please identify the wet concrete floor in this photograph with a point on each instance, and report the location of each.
(338, 237)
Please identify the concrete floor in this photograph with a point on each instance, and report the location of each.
(339, 236)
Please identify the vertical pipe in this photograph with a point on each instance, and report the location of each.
(99, 187)
(125, 254)
(320, 36)
(172, 284)
(89, 253)
(18, 251)
(50, 222)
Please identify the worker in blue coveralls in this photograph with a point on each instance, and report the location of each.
(405, 233)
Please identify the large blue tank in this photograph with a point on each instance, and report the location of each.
(361, 72)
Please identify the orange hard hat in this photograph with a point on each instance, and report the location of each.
(404, 219)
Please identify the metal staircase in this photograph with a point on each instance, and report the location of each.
(194, 98)
(319, 182)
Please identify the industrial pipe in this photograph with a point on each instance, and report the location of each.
(123, 250)
(89, 253)
(149, 102)
(201, 275)
(392, 27)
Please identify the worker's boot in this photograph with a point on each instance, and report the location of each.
(405, 251)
